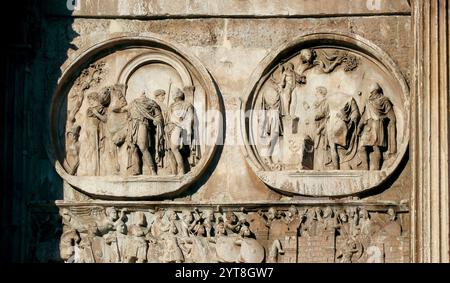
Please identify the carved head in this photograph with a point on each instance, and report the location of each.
(271, 213)
(311, 214)
(105, 96)
(111, 213)
(392, 214)
(65, 214)
(209, 215)
(220, 227)
(231, 217)
(328, 212)
(74, 133)
(293, 210)
(141, 220)
(343, 216)
(318, 211)
(352, 212)
(187, 216)
(179, 95)
(92, 99)
(307, 56)
(245, 230)
(321, 91)
(363, 214)
(288, 66)
(121, 227)
(117, 91)
(171, 215)
(375, 88)
(160, 95)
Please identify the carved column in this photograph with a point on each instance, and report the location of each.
(430, 142)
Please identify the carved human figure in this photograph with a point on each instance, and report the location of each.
(349, 249)
(329, 222)
(92, 136)
(180, 132)
(365, 223)
(377, 129)
(172, 251)
(209, 220)
(353, 219)
(121, 239)
(109, 230)
(309, 58)
(285, 87)
(322, 156)
(336, 129)
(86, 249)
(392, 227)
(142, 113)
(72, 160)
(162, 145)
(232, 223)
(137, 246)
(69, 238)
(158, 223)
(187, 223)
(220, 229)
(89, 78)
(270, 127)
(116, 129)
(277, 229)
(310, 226)
(344, 225)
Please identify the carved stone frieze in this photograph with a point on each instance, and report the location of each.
(334, 232)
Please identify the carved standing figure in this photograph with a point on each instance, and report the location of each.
(270, 126)
(162, 145)
(137, 248)
(377, 129)
(285, 87)
(392, 227)
(72, 160)
(180, 131)
(116, 129)
(172, 250)
(322, 116)
(69, 238)
(142, 113)
(92, 136)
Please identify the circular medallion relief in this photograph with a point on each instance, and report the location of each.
(326, 115)
(128, 119)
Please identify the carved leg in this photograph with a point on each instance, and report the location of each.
(172, 162)
(364, 157)
(275, 250)
(179, 160)
(334, 157)
(375, 161)
(301, 152)
(148, 164)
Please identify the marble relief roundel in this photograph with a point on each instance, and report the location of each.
(326, 115)
(128, 120)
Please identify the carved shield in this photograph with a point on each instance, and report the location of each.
(227, 249)
(251, 251)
